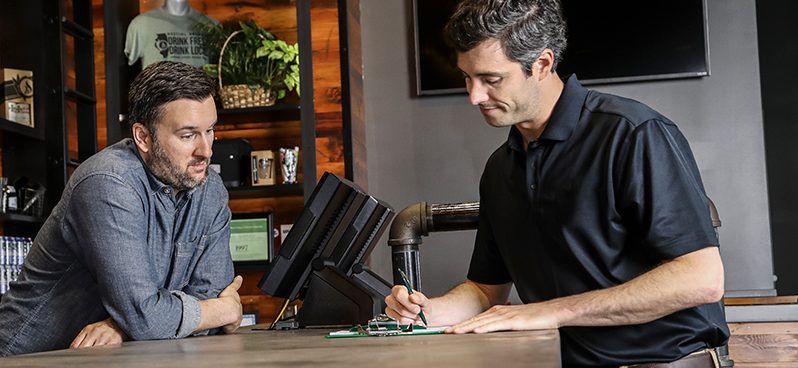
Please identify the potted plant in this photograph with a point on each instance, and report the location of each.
(254, 68)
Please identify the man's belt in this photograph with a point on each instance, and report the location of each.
(706, 358)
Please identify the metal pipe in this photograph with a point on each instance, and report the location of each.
(419, 220)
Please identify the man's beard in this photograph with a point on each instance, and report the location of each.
(169, 173)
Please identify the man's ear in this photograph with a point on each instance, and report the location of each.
(543, 64)
(141, 135)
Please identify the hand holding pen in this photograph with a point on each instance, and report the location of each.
(410, 291)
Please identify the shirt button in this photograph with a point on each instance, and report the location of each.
(532, 187)
(167, 191)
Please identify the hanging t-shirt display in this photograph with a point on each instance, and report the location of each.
(158, 35)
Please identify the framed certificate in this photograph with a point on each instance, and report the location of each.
(251, 238)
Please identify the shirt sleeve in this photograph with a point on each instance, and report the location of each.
(661, 191)
(106, 216)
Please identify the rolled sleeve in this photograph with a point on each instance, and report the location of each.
(191, 315)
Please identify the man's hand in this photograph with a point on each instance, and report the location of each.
(462, 302)
(100, 333)
(405, 308)
(223, 311)
(536, 316)
(230, 295)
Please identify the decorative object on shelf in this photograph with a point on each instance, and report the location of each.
(24, 196)
(17, 96)
(3, 183)
(288, 161)
(258, 68)
(232, 157)
(9, 196)
(262, 168)
(32, 200)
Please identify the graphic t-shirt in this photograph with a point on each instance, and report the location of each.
(157, 35)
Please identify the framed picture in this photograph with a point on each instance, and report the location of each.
(251, 238)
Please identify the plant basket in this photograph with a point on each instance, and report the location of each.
(242, 95)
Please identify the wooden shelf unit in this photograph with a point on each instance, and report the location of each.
(317, 122)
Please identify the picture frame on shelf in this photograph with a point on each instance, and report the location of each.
(251, 238)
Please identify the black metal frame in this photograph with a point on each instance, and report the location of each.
(307, 113)
(346, 96)
(118, 74)
(56, 27)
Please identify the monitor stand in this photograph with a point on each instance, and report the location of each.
(333, 299)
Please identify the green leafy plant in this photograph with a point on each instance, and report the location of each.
(254, 57)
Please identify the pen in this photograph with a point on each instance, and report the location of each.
(410, 292)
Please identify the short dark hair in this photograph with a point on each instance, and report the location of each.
(164, 82)
(524, 28)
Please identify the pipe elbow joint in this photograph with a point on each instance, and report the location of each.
(409, 225)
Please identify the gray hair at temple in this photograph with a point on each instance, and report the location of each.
(524, 28)
(164, 82)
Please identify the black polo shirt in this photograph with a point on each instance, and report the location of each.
(608, 191)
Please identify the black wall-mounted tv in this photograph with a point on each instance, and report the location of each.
(609, 41)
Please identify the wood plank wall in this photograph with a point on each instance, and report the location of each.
(358, 111)
(764, 345)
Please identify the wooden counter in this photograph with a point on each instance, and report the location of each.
(310, 348)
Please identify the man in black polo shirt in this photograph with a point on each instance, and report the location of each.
(593, 208)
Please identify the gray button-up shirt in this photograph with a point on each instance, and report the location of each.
(120, 244)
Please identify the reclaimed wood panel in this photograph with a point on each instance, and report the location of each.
(764, 344)
(98, 27)
(285, 209)
(785, 299)
(327, 87)
(763, 328)
(356, 106)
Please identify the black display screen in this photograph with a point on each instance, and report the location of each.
(609, 41)
(337, 228)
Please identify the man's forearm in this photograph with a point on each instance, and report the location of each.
(685, 282)
(465, 301)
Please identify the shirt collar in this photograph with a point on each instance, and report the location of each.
(563, 118)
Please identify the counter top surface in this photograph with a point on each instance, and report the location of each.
(309, 347)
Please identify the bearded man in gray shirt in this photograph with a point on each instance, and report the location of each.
(138, 246)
